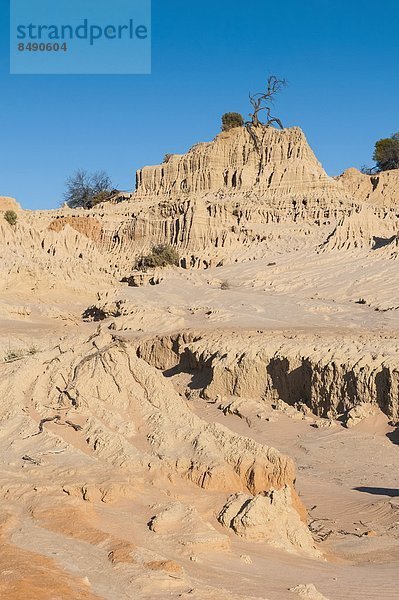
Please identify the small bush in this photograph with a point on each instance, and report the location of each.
(361, 301)
(386, 153)
(231, 120)
(167, 158)
(103, 196)
(11, 217)
(225, 285)
(13, 355)
(18, 353)
(162, 255)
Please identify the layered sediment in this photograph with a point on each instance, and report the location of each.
(328, 377)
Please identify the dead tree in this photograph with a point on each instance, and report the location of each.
(263, 101)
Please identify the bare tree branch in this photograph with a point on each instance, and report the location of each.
(263, 101)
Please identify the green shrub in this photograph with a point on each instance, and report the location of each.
(386, 153)
(162, 255)
(11, 217)
(100, 197)
(231, 120)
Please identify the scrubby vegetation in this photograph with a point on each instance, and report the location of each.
(85, 190)
(386, 153)
(231, 120)
(12, 355)
(16, 353)
(162, 255)
(11, 217)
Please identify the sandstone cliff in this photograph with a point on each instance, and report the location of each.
(329, 377)
(269, 162)
(7, 203)
(233, 199)
(381, 189)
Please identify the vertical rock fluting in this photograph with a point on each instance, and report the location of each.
(333, 384)
(279, 162)
(330, 380)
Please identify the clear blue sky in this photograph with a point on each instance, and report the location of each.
(339, 56)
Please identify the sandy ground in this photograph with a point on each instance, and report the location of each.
(347, 478)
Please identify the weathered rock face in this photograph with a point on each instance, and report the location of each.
(86, 225)
(38, 256)
(329, 380)
(131, 395)
(366, 227)
(359, 413)
(269, 517)
(380, 189)
(7, 203)
(233, 199)
(277, 162)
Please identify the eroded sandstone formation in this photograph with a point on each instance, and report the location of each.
(140, 454)
(380, 189)
(265, 161)
(232, 199)
(329, 378)
(268, 517)
(7, 203)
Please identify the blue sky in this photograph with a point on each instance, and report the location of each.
(340, 58)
